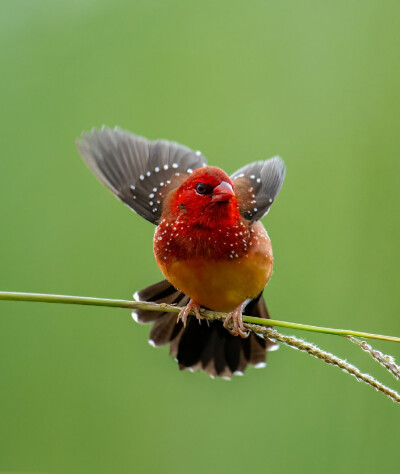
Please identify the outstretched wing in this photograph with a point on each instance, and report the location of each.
(256, 186)
(138, 171)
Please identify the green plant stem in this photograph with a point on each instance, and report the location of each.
(84, 300)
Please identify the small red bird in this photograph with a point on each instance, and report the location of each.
(209, 243)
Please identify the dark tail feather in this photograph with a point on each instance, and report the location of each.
(206, 346)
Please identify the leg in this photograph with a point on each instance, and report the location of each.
(184, 313)
(236, 316)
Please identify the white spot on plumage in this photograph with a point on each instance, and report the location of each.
(252, 176)
(141, 177)
(198, 153)
(155, 209)
(165, 166)
(258, 180)
(174, 165)
(156, 169)
(275, 347)
(260, 365)
(151, 203)
(189, 170)
(148, 173)
(154, 190)
(133, 187)
(151, 195)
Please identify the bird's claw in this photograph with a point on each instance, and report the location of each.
(184, 312)
(238, 327)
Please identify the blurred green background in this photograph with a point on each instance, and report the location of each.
(316, 82)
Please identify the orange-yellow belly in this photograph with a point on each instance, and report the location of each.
(220, 285)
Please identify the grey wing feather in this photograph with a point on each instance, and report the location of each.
(137, 170)
(257, 186)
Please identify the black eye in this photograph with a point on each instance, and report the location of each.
(202, 188)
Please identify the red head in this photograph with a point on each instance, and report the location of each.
(206, 199)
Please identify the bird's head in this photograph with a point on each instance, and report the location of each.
(206, 199)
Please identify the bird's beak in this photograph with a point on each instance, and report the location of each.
(222, 193)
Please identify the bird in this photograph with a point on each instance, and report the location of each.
(209, 243)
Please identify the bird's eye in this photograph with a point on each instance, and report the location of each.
(202, 188)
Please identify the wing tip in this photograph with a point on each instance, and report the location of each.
(279, 163)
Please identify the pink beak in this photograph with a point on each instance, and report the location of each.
(222, 193)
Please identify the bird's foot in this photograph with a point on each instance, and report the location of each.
(184, 312)
(236, 317)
